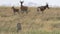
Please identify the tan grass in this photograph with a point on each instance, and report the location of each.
(30, 21)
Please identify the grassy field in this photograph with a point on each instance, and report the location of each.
(32, 23)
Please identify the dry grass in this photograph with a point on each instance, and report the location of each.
(32, 23)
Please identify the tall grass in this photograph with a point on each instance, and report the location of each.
(32, 23)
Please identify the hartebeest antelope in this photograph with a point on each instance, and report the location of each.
(23, 8)
(15, 10)
(42, 8)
